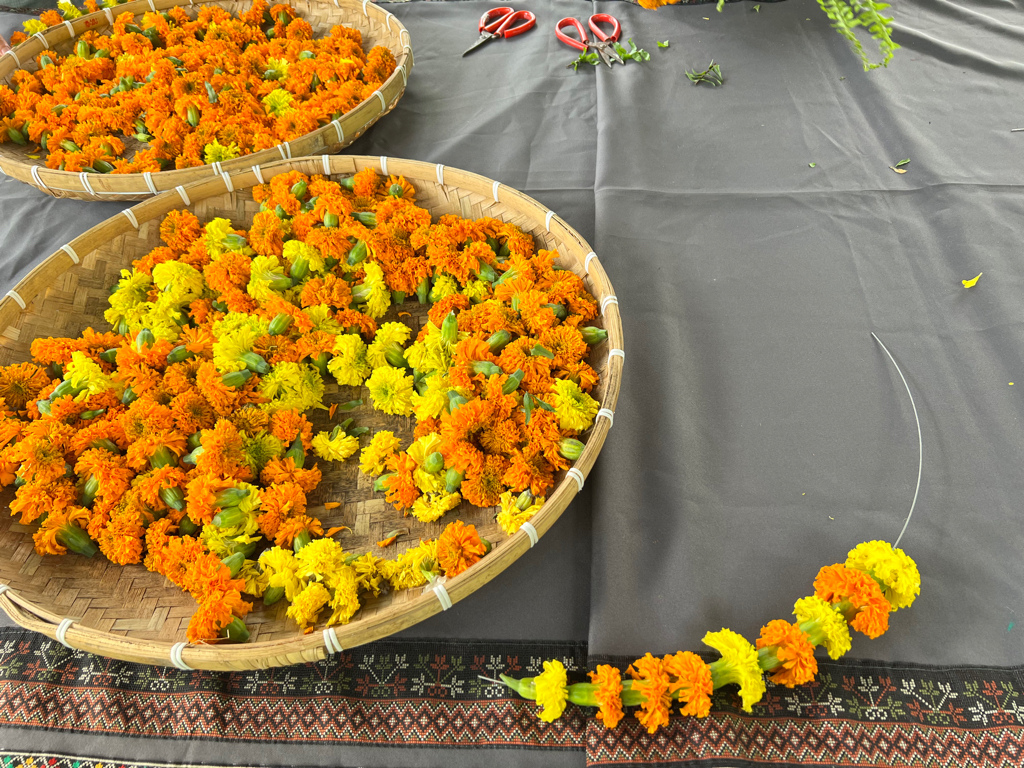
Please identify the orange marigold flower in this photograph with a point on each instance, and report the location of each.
(223, 452)
(458, 547)
(22, 382)
(793, 649)
(651, 680)
(608, 694)
(278, 504)
(180, 229)
(289, 424)
(483, 488)
(33, 500)
(868, 610)
(292, 527)
(401, 489)
(285, 471)
(692, 681)
(329, 290)
(192, 412)
(267, 233)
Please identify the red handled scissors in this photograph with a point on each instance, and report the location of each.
(602, 43)
(502, 22)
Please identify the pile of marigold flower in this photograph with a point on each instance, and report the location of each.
(180, 439)
(875, 580)
(183, 92)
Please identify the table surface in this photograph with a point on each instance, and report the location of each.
(756, 236)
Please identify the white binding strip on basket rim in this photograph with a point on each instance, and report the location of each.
(176, 658)
(607, 413)
(42, 38)
(17, 298)
(37, 178)
(608, 301)
(62, 633)
(442, 595)
(494, 191)
(131, 217)
(331, 642)
(229, 185)
(531, 532)
(84, 178)
(586, 263)
(576, 475)
(71, 252)
(384, 165)
(615, 353)
(14, 56)
(4, 588)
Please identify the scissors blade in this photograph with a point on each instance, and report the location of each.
(486, 36)
(604, 55)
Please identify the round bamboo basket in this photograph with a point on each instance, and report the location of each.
(132, 614)
(378, 27)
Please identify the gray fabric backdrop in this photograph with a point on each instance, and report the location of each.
(760, 433)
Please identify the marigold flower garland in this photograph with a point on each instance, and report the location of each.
(169, 91)
(875, 580)
(181, 439)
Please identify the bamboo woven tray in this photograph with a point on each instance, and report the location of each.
(378, 27)
(130, 613)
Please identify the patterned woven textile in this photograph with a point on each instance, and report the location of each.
(419, 693)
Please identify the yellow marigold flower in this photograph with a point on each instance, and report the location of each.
(897, 572)
(292, 386)
(86, 375)
(253, 501)
(511, 517)
(552, 686)
(280, 566)
(180, 283)
(345, 602)
(349, 364)
(575, 408)
(387, 334)
(259, 449)
(426, 482)
(323, 319)
(433, 506)
(431, 353)
(32, 26)
(281, 65)
(391, 391)
(424, 446)
(234, 334)
(476, 290)
(445, 285)
(831, 624)
(308, 603)
(216, 152)
(255, 580)
(67, 10)
(296, 249)
(737, 665)
(224, 542)
(265, 273)
(368, 576)
(431, 404)
(278, 102)
(336, 448)
(320, 560)
(216, 231)
(406, 571)
(374, 456)
(132, 291)
(380, 295)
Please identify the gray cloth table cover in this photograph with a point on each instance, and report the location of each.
(761, 432)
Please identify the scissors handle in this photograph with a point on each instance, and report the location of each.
(491, 20)
(580, 45)
(605, 18)
(509, 26)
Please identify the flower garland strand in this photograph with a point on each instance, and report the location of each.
(170, 91)
(182, 439)
(875, 580)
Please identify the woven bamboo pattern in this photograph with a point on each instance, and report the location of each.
(132, 614)
(378, 27)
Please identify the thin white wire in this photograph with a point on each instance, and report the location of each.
(920, 441)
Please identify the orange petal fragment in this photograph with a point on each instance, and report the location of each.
(332, 410)
(332, 504)
(338, 529)
(405, 314)
(388, 541)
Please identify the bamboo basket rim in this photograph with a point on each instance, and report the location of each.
(320, 644)
(335, 136)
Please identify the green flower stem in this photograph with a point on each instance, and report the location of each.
(272, 594)
(236, 631)
(77, 540)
